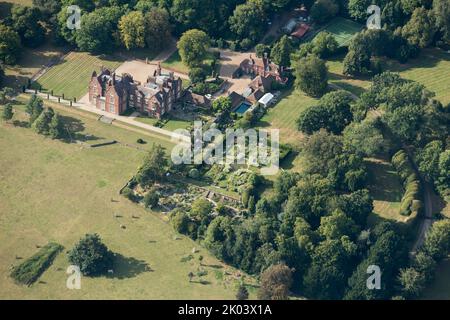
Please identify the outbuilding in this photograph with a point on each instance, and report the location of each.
(266, 100)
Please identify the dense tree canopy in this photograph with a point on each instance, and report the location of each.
(27, 23)
(193, 46)
(311, 75)
(9, 45)
(100, 30)
(157, 28)
(248, 20)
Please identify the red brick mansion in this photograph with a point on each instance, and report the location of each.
(116, 94)
(260, 67)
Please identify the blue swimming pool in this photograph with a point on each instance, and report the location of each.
(244, 106)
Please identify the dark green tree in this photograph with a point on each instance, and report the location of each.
(91, 256)
(9, 45)
(154, 167)
(27, 23)
(281, 52)
(242, 293)
(8, 112)
(311, 75)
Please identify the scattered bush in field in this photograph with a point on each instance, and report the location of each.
(129, 194)
(242, 293)
(151, 199)
(31, 269)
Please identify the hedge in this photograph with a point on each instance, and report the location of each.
(31, 269)
(411, 202)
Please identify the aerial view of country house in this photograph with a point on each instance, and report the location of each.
(225, 149)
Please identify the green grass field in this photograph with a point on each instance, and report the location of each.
(343, 30)
(71, 76)
(431, 68)
(283, 116)
(171, 125)
(174, 63)
(386, 189)
(56, 191)
(335, 75)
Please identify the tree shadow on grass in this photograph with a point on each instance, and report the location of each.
(288, 162)
(21, 124)
(384, 183)
(128, 267)
(73, 129)
(202, 282)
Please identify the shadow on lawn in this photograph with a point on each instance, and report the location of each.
(384, 183)
(73, 130)
(428, 58)
(128, 267)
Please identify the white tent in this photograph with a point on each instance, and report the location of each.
(266, 99)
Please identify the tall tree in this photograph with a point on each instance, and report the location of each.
(281, 52)
(276, 282)
(421, 28)
(100, 30)
(132, 30)
(91, 255)
(324, 10)
(27, 23)
(157, 28)
(311, 75)
(154, 167)
(55, 129)
(9, 45)
(248, 20)
(333, 114)
(8, 112)
(193, 47)
(441, 10)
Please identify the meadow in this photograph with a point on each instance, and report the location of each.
(58, 191)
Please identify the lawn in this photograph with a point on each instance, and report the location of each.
(386, 189)
(356, 86)
(71, 76)
(283, 116)
(431, 68)
(30, 62)
(174, 63)
(170, 125)
(343, 30)
(56, 191)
